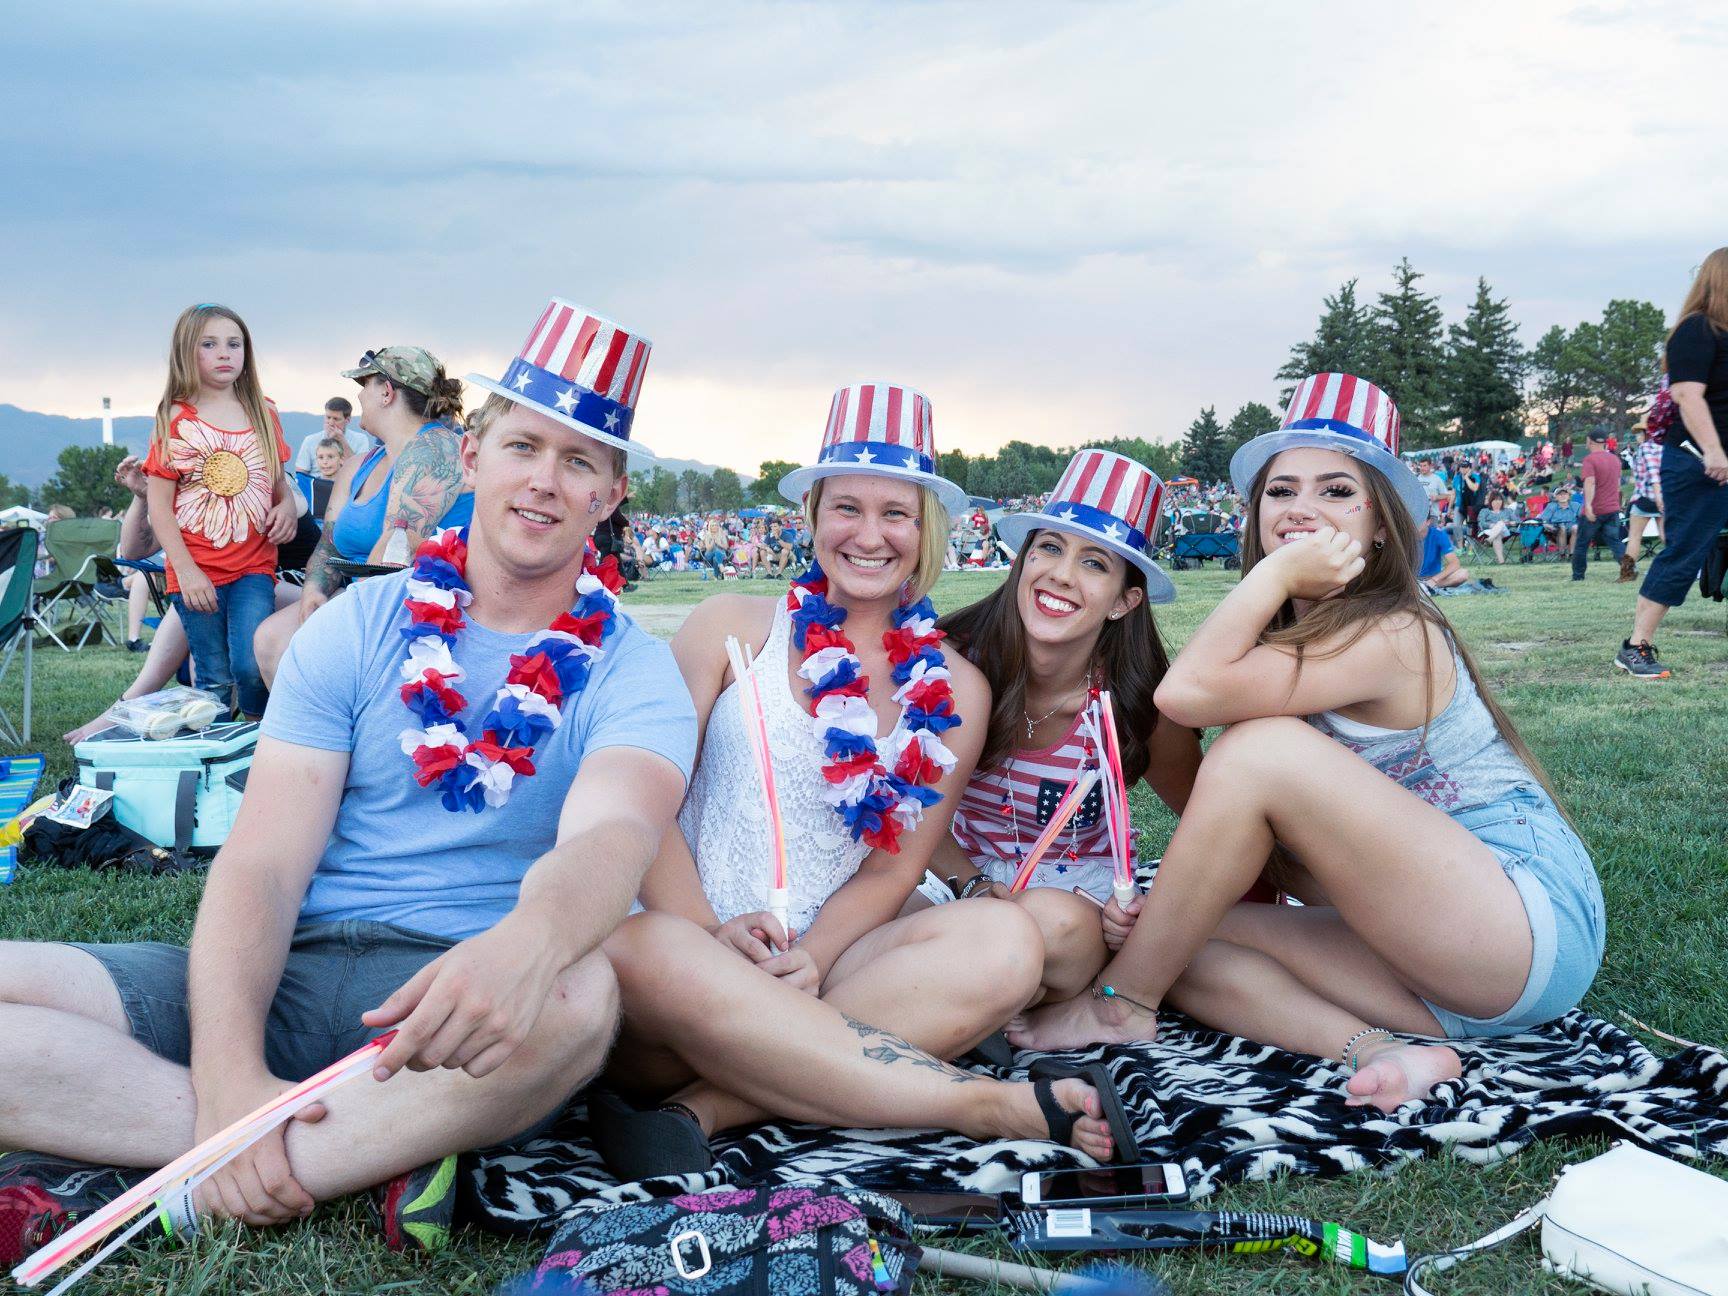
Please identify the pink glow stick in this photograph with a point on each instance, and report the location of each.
(1059, 818)
(219, 1148)
(756, 730)
(1124, 886)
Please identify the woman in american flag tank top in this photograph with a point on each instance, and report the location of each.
(1073, 617)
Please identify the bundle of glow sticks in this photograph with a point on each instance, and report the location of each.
(185, 1173)
(756, 729)
(1101, 718)
(1059, 817)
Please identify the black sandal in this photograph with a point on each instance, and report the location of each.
(640, 1144)
(1044, 1073)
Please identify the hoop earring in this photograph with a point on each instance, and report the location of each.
(1379, 544)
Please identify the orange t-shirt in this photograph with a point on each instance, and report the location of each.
(222, 495)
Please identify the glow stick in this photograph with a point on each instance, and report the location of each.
(1124, 884)
(1092, 721)
(756, 729)
(1059, 818)
(209, 1156)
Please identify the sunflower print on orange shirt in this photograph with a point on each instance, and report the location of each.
(225, 486)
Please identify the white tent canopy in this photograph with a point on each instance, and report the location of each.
(1499, 449)
(21, 513)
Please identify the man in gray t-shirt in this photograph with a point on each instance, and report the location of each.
(337, 413)
(385, 870)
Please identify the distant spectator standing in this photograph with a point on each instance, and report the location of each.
(1694, 466)
(337, 412)
(1600, 514)
(1646, 499)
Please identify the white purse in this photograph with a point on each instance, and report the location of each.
(1628, 1221)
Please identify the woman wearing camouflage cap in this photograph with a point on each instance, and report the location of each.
(383, 504)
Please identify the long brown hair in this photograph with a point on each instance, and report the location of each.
(1387, 588)
(1708, 295)
(183, 381)
(1129, 656)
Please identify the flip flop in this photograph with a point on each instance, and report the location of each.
(637, 1144)
(993, 1050)
(1045, 1072)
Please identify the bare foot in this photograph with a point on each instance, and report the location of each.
(1091, 1132)
(1079, 1022)
(1398, 1073)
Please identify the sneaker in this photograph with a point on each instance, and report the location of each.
(416, 1210)
(137, 645)
(42, 1196)
(1639, 660)
(1628, 569)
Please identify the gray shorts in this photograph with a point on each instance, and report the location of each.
(335, 971)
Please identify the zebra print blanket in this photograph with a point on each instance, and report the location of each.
(1226, 1108)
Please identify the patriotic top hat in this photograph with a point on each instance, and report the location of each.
(1336, 411)
(1110, 500)
(581, 369)
(878, 430)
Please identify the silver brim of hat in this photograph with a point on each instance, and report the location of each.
(795, 485)
(1016, 527)
(1252, 456)
(557, 415)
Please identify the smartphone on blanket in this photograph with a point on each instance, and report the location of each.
(1113, 1185)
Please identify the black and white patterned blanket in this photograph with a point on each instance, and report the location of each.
(1227, 1109)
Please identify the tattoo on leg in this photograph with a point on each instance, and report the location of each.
(890, 1049)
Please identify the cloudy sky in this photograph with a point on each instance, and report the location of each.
(1058, 220)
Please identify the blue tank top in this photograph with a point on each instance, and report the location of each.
(358, 526)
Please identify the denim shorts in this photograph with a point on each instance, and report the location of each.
(1562, 901)
(335, 971)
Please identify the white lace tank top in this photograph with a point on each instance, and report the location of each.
(724, 818)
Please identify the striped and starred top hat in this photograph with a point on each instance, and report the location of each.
(1336, 411)
(581, 369)
(881, 430)
(1109, 499)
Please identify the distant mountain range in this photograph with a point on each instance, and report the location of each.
(30, 443)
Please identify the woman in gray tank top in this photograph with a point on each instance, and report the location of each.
(1445, 895)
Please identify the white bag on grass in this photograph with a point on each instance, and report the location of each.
(1628, 1221)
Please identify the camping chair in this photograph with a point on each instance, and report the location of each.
(70, 589)
(17, 620)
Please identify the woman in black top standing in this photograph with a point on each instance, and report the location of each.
(1694, 467)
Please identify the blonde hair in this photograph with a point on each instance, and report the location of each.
(183, 381)
(495, 407)
(1708, 295)
(933, 524)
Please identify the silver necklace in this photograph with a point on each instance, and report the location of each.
(1032, 725)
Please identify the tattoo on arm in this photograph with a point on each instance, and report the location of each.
(428, 481)
(319, 574)
(890, 1050)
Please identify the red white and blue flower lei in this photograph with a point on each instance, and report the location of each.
(473, 773)
(878, 793)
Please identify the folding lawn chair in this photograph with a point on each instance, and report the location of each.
(17, 621)
(70, 589)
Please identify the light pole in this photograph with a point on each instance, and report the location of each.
(107, 421)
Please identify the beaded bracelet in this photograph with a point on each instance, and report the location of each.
(1348, 1057)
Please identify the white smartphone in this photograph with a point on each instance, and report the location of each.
(1113, 1185)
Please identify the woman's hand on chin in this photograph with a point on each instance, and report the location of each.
(1318, 565)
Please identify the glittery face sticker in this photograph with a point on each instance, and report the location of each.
(593, 503)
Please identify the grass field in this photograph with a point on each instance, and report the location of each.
(1639, 765)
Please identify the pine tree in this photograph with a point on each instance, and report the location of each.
(1411, 356)
(1344, 342)
(1560, 388)
(1623, 357)
(1484, 371)
(1249, 422)
(1204, 453)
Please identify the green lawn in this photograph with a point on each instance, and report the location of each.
(1640, 766)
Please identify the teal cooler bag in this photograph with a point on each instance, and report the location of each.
(178, 792)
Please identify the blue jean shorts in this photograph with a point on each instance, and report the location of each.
(335, 971)
(1562, 901)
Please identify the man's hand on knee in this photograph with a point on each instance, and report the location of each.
(473, 1006)
(257, 1187)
